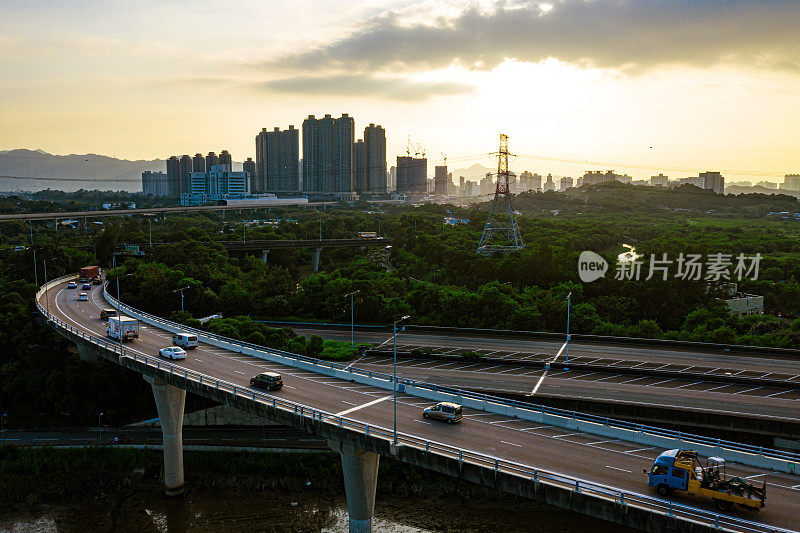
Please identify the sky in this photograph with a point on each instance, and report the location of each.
(636, 86)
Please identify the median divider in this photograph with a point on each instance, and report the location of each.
(618, 429)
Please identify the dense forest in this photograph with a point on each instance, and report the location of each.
(429, 270)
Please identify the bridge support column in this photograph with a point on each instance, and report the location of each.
(85, 353)
(315, 258)
(360, 470)
(264, 256)
(170, 402)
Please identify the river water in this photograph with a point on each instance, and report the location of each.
(233, 511)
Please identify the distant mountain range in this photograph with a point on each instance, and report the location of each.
(71, 172)
(474, 173)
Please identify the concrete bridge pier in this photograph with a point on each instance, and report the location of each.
(170, 402)
(360, 470)
(315, 258)
(264, 256)
(87, 353)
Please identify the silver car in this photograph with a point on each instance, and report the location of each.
(444, 411)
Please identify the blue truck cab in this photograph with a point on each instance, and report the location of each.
(665, 476)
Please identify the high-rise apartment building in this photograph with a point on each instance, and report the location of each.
(174, 176)
(659, 181)
(714, 181)
(412, 174)
(226, 159)
(278, 160)
(249, 168)
(212, 160)
(328, 155)
(185, 173)
(155, 183)
(549, 185)
(791, 182)
(359, 166)
(565, 183)
(440, 179)
(198, 163)
(393, 178)
(462, 189)
(375, 159)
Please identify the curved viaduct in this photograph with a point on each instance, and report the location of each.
(573, 461)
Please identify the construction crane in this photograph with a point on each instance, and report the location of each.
(417, 149)
(444, 156)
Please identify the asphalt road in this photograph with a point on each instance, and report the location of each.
(505, 374)
(600, 459)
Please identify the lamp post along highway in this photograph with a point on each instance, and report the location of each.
(46, 296)
(181, 291)
(100, 428)
(3, 424)
(352, 319)
(566, 359)
(119, 314)
(394, 379)
(35, 272)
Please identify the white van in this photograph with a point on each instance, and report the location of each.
(186, 340)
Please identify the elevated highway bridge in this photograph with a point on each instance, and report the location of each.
(570, 460)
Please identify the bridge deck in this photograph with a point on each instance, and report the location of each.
(611, 462)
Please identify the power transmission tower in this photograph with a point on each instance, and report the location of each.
(501, 232)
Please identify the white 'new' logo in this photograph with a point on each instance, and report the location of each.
(591, 266)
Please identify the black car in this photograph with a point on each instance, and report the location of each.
(267, 380)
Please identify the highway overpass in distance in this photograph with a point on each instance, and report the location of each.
(56, 215)
(498, 444)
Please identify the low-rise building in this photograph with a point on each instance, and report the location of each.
(740, 303)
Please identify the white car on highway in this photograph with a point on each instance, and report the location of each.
(172, 352)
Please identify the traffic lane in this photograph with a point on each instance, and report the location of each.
(482, 437)
(638, 353)
(646, 390)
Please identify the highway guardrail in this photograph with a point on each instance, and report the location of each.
(598, 490)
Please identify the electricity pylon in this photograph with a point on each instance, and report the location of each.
(501, 232)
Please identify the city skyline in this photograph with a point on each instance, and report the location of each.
(638, 88)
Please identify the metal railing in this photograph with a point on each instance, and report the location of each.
(598, 490)
(481, 397)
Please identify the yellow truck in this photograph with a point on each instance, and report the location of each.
(681, 470)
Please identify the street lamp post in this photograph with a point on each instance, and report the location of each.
(100, 428)
(394, 379)
(566, 359)
(320, 229)
(352, 319)
(35, 272)
(3, 424)
(46, 296)
(181, 291)
(119, 315)
(150, 225)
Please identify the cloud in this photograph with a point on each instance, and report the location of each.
(391, 88)
(614, 34)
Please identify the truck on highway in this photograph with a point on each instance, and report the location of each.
(122, 328)
(681, 470)
(87, 273)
